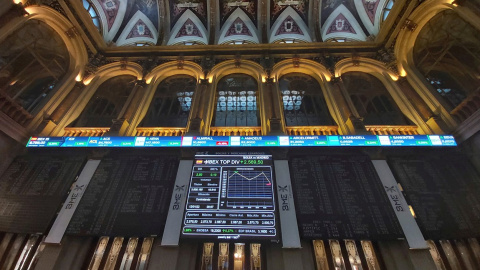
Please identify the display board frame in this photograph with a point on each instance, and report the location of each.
(255, 221)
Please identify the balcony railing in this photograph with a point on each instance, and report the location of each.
(13, 110)
(160, 131)
(312, 130)
(468, 107)
(235, 131)
(85, 131)
(392, 130)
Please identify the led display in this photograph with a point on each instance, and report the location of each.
(231, 197)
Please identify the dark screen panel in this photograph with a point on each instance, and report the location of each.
(341, 196)
(32, 189)
(128, 196)
(444, 191)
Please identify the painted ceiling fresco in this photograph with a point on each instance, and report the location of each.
(228, 6)
(188, 22)
(178, 7)
(278, 6)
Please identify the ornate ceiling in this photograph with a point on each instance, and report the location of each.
(189, 22)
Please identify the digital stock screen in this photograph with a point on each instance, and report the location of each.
(231, 197)
(246, 141)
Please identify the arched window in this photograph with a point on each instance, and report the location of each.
(447, 53)
(90, 8)
(106, 103)
(236, 102)
(386, 10)
(303, 102)
(446, 87)
(32, 60)
(372, 100)
(171, 104)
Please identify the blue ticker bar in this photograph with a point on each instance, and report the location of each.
(245, 141)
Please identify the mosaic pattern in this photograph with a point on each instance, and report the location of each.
(110, 8)
(140, 30)
(340, 24)
(189, 29)
(371, 8)
(289, 26)
(238, 28)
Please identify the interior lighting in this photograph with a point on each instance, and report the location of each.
(87, 81)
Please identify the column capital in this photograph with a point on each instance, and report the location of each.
(269, 80)
(336, 80)
(203, 82)
(141, 82)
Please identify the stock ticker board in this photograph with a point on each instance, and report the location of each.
(128, 195)
(341, 197)
(245, 141)
(231, 197)
(33, 187)
(443, 191)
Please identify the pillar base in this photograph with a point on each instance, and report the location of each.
(356, 125)
(196, 125)
(118, 127)
(275, 126)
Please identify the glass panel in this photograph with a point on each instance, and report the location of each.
(32, 66)
(303, 102)
(236, 102)
(106, 103)
(372, 100)
(447, 53)
(171, 104)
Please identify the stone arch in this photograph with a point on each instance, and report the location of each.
(318, 72)
(388, 78)
(92, 83)
(405, 57)
(73, 42)
(235, 67)
(155, 77)
(309, 67)
(406, 39)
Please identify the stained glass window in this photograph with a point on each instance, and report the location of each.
(236, 102)
(303, 102)
(172, 102)
(93, 13)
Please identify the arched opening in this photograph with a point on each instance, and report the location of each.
(303, 101)
(106, 103)
(32, 61)
(171, 103)
(447, 53)
(372, 100)
(92, 11)
(236, 102)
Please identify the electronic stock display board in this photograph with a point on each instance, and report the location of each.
(246, 141)
(231, 197)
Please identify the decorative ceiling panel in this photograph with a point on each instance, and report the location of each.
(178, 7)
(110, 9)
(228, 6)
(278, 6)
